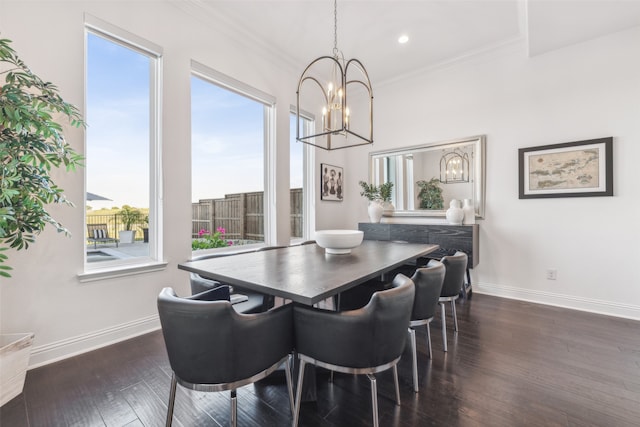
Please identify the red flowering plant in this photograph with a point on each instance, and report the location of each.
(208, 240)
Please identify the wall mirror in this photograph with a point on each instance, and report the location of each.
(456, 167)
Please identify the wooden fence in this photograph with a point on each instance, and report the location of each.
(241, 215)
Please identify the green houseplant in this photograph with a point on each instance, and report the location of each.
(369, 191)
(385, 195)
(430, 194)
(31, 145)
(379, 199)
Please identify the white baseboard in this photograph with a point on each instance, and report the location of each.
(63, 349)
(626, 311)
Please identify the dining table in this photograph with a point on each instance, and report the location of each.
(305, 274)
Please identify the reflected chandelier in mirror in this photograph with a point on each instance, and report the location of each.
(449, 170)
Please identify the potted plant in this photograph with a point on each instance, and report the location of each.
(32, 146)
(129, 216)
(430, 194)
(372, 193)
(385, 195)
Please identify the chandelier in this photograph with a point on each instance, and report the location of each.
(340, 93)
(454, 167)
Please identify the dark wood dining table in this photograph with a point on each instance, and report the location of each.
(305, 274)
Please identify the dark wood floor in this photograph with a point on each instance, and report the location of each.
(511, 364)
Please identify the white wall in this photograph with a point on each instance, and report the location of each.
(589, 90)
(45, 295)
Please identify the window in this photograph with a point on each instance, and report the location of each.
(231, 134)
(122, 148)
(301, 181)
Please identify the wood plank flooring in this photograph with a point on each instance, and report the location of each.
(511, 364)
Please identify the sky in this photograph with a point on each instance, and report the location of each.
(117, 117)
(227, 141)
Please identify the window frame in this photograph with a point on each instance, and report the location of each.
(268, 102)
(152, 262)
(308, 174)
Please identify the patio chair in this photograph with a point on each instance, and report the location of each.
(99, 233)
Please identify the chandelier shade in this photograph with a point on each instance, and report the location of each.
(338, 95)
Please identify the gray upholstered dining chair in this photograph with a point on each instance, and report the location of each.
(456, 267)
(363, 341)
(247, 301)
(428, 281)
(211, 347)
(255, 302)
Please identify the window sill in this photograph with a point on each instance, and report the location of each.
(121, 271)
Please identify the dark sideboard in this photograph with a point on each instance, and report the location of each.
(449, 237)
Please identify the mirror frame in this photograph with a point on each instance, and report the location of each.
(478, 186)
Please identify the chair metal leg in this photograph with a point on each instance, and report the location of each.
(172, 399)
(429, 340)
(374, 399)
(414, 355)
(296, 412)
(455, 317)
(444, 326)
(397, 383)
(234, 409)
(287, 371)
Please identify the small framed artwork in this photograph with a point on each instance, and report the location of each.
(571, 169)
(331, 182)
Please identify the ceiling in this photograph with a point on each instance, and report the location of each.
(440, 31)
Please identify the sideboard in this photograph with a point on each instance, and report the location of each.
(449, 237)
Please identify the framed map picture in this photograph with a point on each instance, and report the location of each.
(331, 182)
(572, 169)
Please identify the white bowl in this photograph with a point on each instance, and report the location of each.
(339, 241)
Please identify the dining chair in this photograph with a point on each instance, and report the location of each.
(212, 348)
(455, 268)
(467, 291)
(428, 282)
(243, 301)
(363, 341)
(359, 296)
(255, 302)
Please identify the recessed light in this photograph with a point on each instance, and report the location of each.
(403, 39)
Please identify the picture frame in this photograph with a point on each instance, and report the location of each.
(331, 183)
(571, 169)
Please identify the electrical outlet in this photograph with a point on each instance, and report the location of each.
(552, 274)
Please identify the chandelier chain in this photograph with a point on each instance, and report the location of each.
(335, 28)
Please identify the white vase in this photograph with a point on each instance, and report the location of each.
(388, 208)
(375, 210)
(469, 212)
(455, 214)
